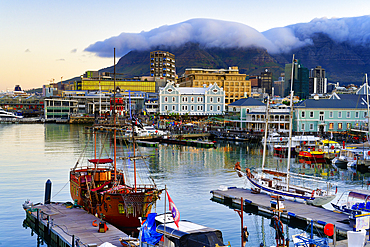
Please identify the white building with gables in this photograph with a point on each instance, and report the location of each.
(191, 100)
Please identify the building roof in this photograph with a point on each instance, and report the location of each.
(356, 102)
(192, 90)
(247, 102)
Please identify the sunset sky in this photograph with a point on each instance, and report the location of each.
(42, 41)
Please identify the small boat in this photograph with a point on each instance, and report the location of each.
(8, 115)
(351, 158)
(354, 201)
(298, 143)
(275, 138)
(167, 234)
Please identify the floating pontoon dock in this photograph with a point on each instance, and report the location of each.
(294, 213)
(61, 226)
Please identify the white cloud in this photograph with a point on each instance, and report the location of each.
(224, 34)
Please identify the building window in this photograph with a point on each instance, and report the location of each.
(302, 127)
(364, 114)
(331, 114)
(192, 108)
(211, 99)
(340, 126)
(218, 99)
(348, 114)
(311, 114)
(357, 114)
(173, 99)
(311, 126)
(331, 126)
(339, 114)
(218, 108)
(200, 108)
(303, 114)
(165, 99)
(211, 108)
(173, 108)
(165, 107)
(192, 99)
(348, 125)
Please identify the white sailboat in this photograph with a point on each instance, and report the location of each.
(278, 183)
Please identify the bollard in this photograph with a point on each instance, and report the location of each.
(47, 192)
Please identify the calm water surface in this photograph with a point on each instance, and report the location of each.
(30, 154)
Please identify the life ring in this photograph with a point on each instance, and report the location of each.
(94, 223)
(320, 150)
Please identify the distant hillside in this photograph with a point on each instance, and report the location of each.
(342, 61)
(251, 61)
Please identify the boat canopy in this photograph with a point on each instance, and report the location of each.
(191, 235)
(359, 194)
(101, 161)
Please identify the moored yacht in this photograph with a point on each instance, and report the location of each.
(8, 115)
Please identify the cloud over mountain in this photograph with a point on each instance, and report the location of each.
(216, 33)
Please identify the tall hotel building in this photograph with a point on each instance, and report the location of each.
(162, 65)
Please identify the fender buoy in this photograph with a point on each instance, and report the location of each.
(94, 223)
(320, 150)
(313, 193)
(329, 229)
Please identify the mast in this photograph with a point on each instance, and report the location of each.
(99, 97)
(368, 108)
(290, 123)
(114, 120)
(266, 128)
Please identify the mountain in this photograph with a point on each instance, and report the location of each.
(343, 62)
(340, 45)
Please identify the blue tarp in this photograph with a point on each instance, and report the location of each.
(148, 230)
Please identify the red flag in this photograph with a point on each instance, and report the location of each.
(174, 211)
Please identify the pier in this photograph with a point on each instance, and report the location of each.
(60, 225)
(294, 213)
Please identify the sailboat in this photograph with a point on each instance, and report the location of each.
(103, 190)
(277, 182)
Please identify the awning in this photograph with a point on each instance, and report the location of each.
(101, 161)
(101, 186)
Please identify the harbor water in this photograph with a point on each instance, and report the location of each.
(30, 154)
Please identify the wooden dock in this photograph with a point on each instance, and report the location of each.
(61, 226)
(294, 213)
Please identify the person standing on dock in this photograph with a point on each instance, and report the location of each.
(245, 235)
(278, 225)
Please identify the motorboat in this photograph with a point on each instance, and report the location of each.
(323, 152)
(354, 201)
(161, 230)
(145, 130)
(351, 157)
(275, 138)
(298, 143)
(8, 115)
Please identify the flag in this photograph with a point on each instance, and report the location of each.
(174, 211)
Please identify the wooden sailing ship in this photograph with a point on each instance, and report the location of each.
(103, 190)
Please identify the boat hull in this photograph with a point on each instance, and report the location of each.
(315, 201)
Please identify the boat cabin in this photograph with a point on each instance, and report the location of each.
(188, 234)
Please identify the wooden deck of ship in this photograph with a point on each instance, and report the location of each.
(62, 226)
(294, 212)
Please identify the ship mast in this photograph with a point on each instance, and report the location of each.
(114, 119)
(290, 123)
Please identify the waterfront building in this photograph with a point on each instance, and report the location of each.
(300, 80)
(59, 109)
(334, 115)
(318, 82)
(234, 84)
(252, 115)
(25, 104)
(162, 65)
(200, 101)
(93, 81)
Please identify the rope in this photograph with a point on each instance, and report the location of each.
(61, 189)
